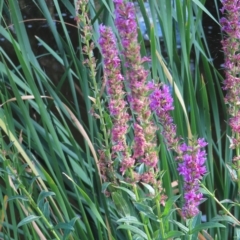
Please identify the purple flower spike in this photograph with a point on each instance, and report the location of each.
(231, 45)
(161, 102)
(192, 169)
(144, 148)
(191, 159)
(117, 104)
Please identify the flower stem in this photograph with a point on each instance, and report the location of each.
(90, 62)
(129, 234)
(220, 204)
(160, 218)
(141, 214)
(238, 165)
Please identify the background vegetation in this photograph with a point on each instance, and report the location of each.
(50, 182)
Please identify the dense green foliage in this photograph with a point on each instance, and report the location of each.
(50, 181)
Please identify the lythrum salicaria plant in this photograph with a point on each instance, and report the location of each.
(135, 105)
(231, 46)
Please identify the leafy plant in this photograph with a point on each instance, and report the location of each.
(55, 125)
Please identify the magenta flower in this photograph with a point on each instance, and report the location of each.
(161, 100)
(117, 104)
(127, 163)
(231, 45)
(139, 140)
(234, 122)
(191, 159)
(191, 167)
(161, 103)
(136, 74)
(126, 24)
(144, 149)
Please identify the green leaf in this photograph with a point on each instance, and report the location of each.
(224, 218)
(121, 205)
(27, 220)
(46, 210)
(173, 234)
(149, 188)
(180, 225)
(200, 5)
(237, 229)
(145, 209)
(22, 198)
(81, 173)
(134, 230)
(153, 55)
(169, 205)
(67, 227)
(44, 194)
(105, 186)
(130, 220)
(207, 225)
(107, 120)
(91, 205)
(228, 201)
(130, 193)
(137, 237)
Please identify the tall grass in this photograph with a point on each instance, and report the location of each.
(51, 187)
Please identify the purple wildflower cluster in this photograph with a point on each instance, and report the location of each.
(136, 75)
(190, 159)
(191, 167)
(117, 104)
(231, 45)
(144, 144)
(144, 99)
(161, 102)
(136, 78)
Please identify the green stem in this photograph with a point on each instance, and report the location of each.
(87, 35)
(159, 217)
(189, 225)
(238, 165)
(141, 214)
(129, 234)
(98, 104)
(225, 209)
